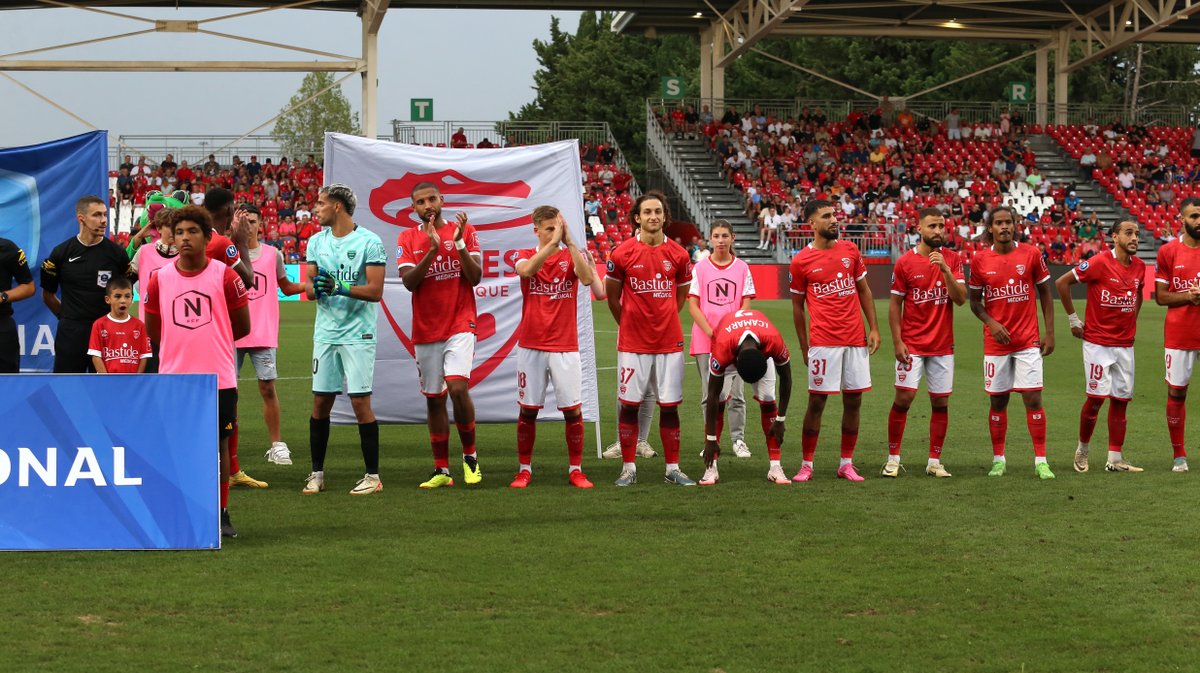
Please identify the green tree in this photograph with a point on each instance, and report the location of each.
(597, 75)
(301, 126)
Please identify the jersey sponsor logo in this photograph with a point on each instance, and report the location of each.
(658, 286)
(1184, 284)
(1012, 291)
(938, 294)
(1123, 301)
(231, 251)
(102, 278)
(444, 268)
(490, 205)
(559, 288)
(842, 286)
(192, 310)
(75, 259)
(124, 352)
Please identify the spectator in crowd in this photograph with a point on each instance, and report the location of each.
(1088, 229)
(459, 138)
(953, 122)
(1072, 201)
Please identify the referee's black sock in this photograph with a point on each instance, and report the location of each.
(368, 435)
(318, 441)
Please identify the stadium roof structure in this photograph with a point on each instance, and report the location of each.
(727, 29)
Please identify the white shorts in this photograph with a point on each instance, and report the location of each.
(838, 369)
(263, 360)
(441, 361)
(1108, 371)
(937, 370)
(1179, 366)
(639, 373)
(1017, 371)
(535, 368)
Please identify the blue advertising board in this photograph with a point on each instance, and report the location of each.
(79, 471)
(39, 185)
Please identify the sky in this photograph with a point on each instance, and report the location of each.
(477, 65)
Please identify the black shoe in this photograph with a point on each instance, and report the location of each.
(227, 529)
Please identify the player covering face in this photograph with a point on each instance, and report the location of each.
(1114, 298)
(926, 284)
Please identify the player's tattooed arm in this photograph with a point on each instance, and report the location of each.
(998, 331)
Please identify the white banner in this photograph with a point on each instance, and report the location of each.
(498, 189)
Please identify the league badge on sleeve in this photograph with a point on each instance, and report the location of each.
(1083, 265)
(231, 251)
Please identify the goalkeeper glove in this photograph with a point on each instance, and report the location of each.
(330, 285)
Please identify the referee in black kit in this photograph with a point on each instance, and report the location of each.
(16, 283)
(81, 266)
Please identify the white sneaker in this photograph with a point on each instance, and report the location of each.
(644, 450)
(775, 475)
(367, 485)
(613, 451)
(1180, 465)
(740, 449)
(1081, 459)
(315, 483)
(711, 476)
(279, 453)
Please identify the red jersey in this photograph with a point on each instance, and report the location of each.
(927, 326)
(221, 249)
(650, 277)
(548, 314)
(1178, 268)
(444, 303)
(828, 280)
(1113, 291)
(121, 345)
(732, 330)
(1009, 289)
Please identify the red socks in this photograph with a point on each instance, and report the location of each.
(1037, 431)
(526, 434)
(441, 451)
(1176, 417)
(769, 411)
(1116, 424)
(998, 427)
(849, 440)
(808, 444)
(939, 420)
(627, 431)
(234, 468)
(1088, 416)
(466, 434)
(668, 431)
(574, 441)
(897, 418)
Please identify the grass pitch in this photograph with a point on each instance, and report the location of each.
(1090, 572)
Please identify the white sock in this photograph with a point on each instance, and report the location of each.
(526, 468)
(776, 463)
(893, 459)
(1083, 446)
(671, 467)
(934, 461)
(1038, 460)
(807, 463)
(999, 459)
(320, 473)
(573, 468)
(1114, 456)
(843, 462)
(374, 476)
(629, 466)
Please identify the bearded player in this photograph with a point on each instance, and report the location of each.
(1114, 282)
(926, 284)
(439, 263)
(1177, 286)
(749, 342)
(548, 349)
(829, 279)
(647, 284)
(1005, 280)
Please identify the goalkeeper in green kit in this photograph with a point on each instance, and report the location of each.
(345, 269)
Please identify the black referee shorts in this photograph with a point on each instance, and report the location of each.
(71, 346)
(10, 346)
(226, 412)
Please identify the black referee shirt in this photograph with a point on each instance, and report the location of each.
(14, 270)
(82, 272)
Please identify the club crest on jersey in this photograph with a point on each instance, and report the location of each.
(667, 266)
(1020, 269)
(818, 380)
(448, 245)
(846, 262)
(562, 264)
(104, 333)
(231, 251)
(102, 278)
(351, 254)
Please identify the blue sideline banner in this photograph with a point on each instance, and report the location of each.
(78, 470)
(39, 185)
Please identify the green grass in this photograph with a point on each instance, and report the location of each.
(1089, 572)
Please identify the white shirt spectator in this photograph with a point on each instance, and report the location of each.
(950, 185)
(302, 213)
(1088, 158)
(964, 230)
(1126, 179)
(906, 193)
